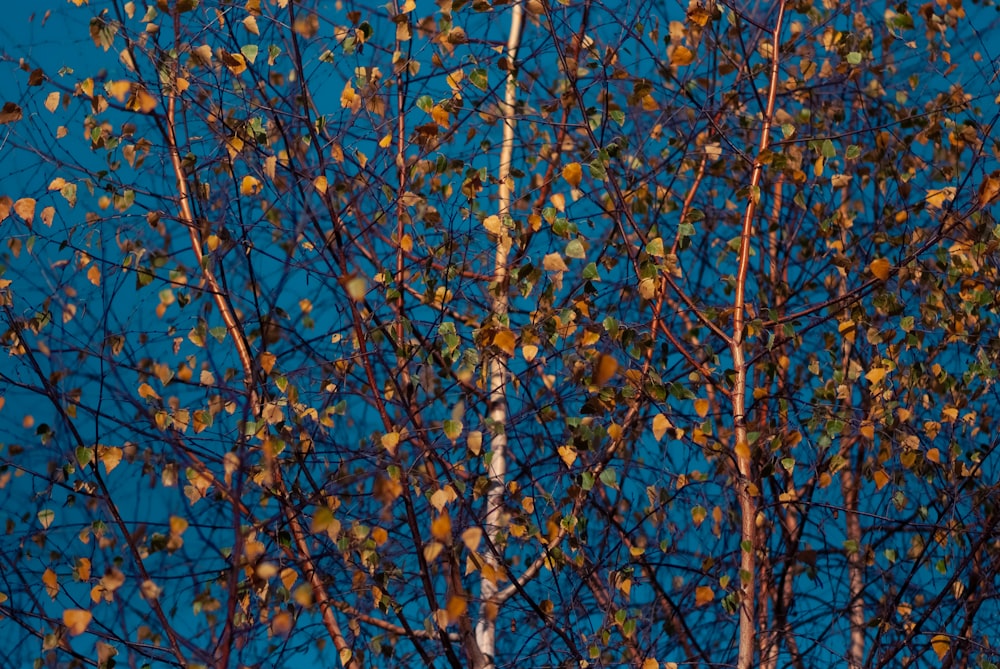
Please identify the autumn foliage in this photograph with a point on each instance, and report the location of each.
(515, 333)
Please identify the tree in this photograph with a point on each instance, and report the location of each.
(514, 333)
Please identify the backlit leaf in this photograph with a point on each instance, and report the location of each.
(76, 621)
(880, 269)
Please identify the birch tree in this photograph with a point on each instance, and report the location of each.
(494, 334)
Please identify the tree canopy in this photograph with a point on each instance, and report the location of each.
(500, 333)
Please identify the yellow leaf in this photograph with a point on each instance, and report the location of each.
(742, 450)
(440, 116)
(320, 184)
(110, 456)
(934, 455)
(605, 369)
(681, 56)
(941, 643)
(937, 196)
(553, 262)
(455, 79)
(288, 578)
(471, 538)
(94, 275)
(406, 243)
(118, 89)
(141, 101)
(390, 442)
(505, 341)
(660, 425)
(380, 535)
(558, 201)
(650, 663)
(474, 442)
(441, 528)
(250, 185)
(76, 621)
(345, 656)
(881, 479)
(52, 101)
(432, 550)
(250, 23)
(236, 63)
(177, 525)
(386, 141)
(573, 174)
(880, 268)
(493, 225)
(701, 407)
(876, 374)
(848, 329)
(703, 595)
(348, 97)
(568, 455)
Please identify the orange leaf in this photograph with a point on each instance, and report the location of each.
(505, 341)
(680, 56)
(288, 577)
(76, 621)
(25, 208)
(441, 528)
(880, 268)
(281, 624)
(573, 174)
(51, 582)
(703, 595)
(604, 369)
(111, 456)
(941, 643)
(701, 407)
(250, 185)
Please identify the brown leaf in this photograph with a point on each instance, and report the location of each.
(11, 113)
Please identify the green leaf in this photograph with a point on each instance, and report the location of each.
(598, 172)
(574, 249)
(249, 52)
(609, 478)
(479, 78)
(84, 455)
